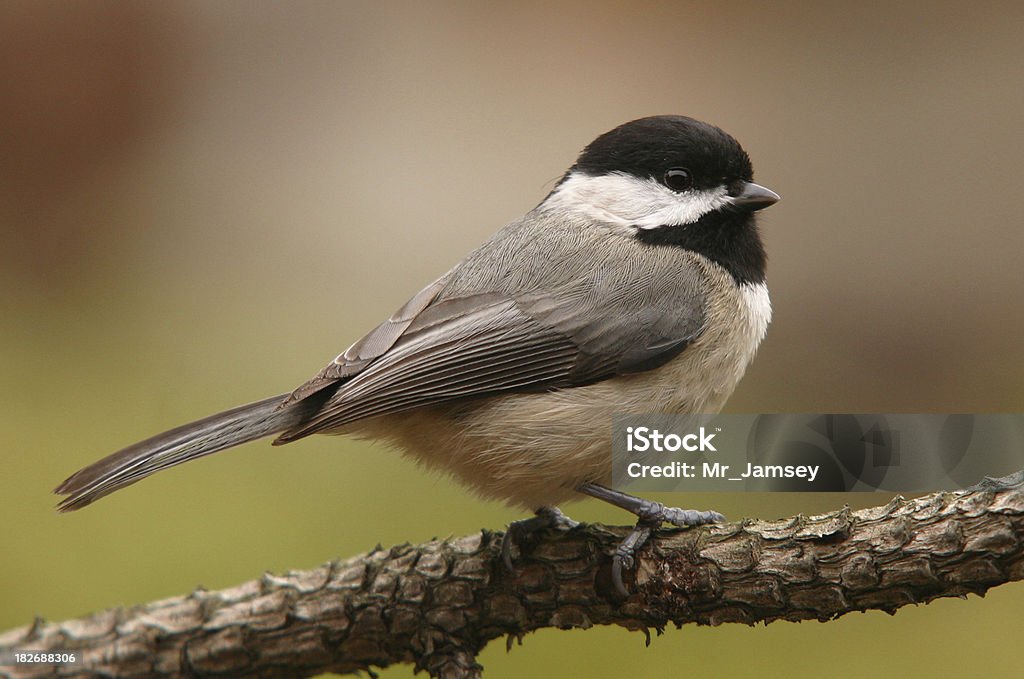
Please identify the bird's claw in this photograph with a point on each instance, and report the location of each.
(625, 554)
(651, 516)
(546, 518)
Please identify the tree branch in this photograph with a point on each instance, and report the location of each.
(439, 603)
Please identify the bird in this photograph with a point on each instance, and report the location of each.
(637, 285)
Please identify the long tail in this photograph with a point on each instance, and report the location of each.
(181, 444)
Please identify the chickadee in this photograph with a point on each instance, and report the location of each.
(636, 286)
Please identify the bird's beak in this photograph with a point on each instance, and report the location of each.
(751, 196)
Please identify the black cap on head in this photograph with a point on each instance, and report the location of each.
(647, 147)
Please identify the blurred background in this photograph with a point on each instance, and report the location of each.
(203, 203)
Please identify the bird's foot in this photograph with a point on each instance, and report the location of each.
(651, 514)
(546, 517)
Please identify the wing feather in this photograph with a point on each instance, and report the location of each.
(525, 312)
(492, 349)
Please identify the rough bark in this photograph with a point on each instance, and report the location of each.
(437, 604)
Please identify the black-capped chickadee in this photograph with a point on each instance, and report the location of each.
(636, 286)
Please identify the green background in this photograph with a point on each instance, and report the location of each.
(203, 203)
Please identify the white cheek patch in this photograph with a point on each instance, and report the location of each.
(627, 201)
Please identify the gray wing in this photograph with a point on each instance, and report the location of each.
(572, 327)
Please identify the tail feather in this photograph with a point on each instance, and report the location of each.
(181, 444)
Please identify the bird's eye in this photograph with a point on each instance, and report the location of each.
(678, 179)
